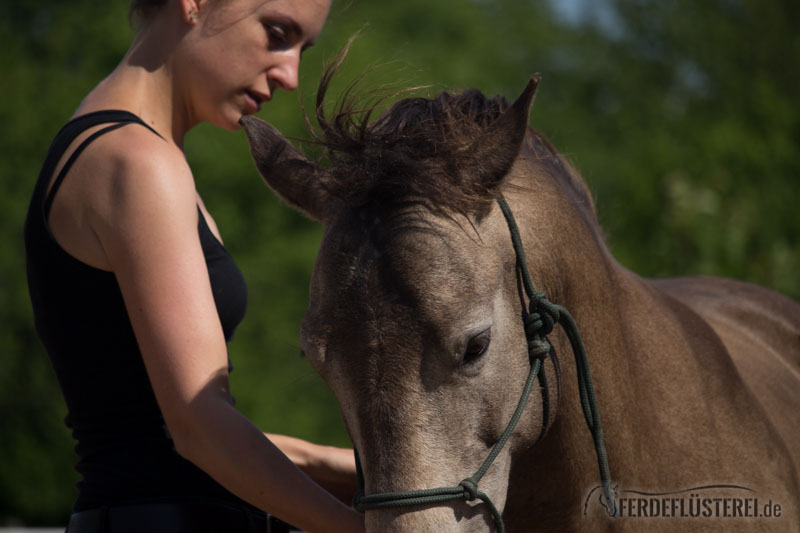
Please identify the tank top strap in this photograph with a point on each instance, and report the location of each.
(67, 135)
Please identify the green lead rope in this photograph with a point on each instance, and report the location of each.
(538, 322)
(555, 314)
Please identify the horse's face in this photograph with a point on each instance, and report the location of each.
(414, 323)
(414, 317)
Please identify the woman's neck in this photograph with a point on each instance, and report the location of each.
(145, 84)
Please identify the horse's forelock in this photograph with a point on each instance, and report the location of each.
(411, 153)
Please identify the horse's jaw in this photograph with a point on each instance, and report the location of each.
(447, 517)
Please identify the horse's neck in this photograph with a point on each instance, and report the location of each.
(616, 312)
(675, 411)
(569, 262)
(562, 237)
(650, 356)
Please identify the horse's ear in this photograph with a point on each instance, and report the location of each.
(295, 179)
(493, 153)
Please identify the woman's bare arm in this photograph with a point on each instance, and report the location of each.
(146, 221)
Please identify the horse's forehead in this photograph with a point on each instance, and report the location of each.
(427, 262)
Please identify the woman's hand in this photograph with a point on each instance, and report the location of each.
(331, 467)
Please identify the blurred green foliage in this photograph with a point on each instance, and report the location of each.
(683, 117)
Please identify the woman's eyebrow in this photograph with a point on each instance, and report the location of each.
(294, 28)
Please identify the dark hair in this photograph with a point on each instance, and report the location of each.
(143, 9)
(415, 151)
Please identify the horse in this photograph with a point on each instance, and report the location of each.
(417, 321)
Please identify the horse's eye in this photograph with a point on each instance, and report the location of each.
(477, 346)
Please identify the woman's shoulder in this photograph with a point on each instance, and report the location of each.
(130, 169)
(133, 161)
(145, 173)
(127, 177)
(138, 149)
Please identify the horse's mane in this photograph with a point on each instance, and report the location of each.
(413, 153)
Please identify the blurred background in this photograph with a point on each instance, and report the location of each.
(682, 116)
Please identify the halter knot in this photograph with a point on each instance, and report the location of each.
(470, 489)
(543, 316)
(538, 325)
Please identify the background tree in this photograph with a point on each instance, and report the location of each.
(682, 116)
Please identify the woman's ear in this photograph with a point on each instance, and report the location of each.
(297, 180)
(190, 9)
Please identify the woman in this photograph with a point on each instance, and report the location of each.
(135, 297)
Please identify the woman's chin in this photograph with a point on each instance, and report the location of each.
(229, 120)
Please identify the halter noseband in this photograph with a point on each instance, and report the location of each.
(538, 321)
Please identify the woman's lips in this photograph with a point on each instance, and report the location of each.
(255, 99)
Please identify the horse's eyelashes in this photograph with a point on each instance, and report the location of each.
(477, 346)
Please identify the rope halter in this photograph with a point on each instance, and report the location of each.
(538, 322)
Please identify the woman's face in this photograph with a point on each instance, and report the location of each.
(238, 52)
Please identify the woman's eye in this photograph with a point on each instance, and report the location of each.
(277, 34)
(476, 347)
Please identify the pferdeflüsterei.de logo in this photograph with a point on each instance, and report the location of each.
(705, 502)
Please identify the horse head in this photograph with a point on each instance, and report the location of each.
(415, 303)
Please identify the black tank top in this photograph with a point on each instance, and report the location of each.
(124, 453)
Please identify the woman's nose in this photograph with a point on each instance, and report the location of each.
(284, 74)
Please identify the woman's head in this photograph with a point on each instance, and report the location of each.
(229, 56)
